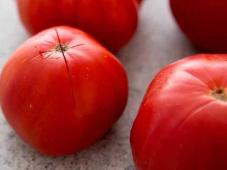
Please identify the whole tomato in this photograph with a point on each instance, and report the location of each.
(112, 22)
(182, 122)
(203, 22)
(61, 91)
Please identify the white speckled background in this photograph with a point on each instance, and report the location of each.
(156, 43)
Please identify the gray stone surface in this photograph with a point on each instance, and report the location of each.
(156, 43)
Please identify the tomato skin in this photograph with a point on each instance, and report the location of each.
(203, 22)
(181, 125)
(138, 1)
(113, 30)
(61, 108)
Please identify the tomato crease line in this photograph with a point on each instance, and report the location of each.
(67, 65)
(76, 45)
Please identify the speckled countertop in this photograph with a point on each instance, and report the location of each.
(156, 43)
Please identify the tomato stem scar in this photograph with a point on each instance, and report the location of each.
(61, 48)
(219, 94)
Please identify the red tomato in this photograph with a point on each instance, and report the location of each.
(61, 91)
(111, 22)
(203, 22)
(182, 123)
(139, 1)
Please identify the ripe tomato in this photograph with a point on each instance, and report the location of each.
(111, 22)
(61, 91)
(139, 1)
(182, 123)
(203, 22)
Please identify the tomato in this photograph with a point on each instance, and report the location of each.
(203, 22)
(113, 22)
(139, 1)
(182, 122)
(62, 91)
